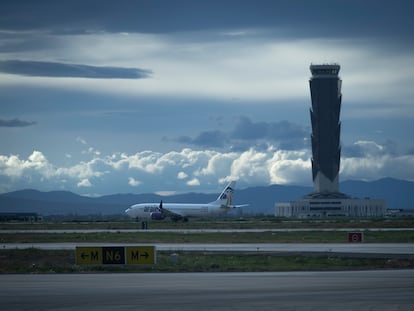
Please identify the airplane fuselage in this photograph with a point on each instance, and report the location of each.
(146, 210)
(176, 211)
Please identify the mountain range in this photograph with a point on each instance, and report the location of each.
(398, 194)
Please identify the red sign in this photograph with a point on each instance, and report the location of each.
(355, 237)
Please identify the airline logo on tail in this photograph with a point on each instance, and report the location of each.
(227, 195)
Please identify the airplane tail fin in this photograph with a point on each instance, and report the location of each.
(226, 196)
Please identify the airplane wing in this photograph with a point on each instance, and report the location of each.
(165, 212)
(235, 206)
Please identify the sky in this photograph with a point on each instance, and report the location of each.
(105, 97)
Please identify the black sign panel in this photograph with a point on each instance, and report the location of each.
(113, 255)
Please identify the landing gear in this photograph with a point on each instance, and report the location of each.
(177, 218)
(144, 223)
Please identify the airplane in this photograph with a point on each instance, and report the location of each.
(181, 211)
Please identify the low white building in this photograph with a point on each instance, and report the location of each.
(331, 207)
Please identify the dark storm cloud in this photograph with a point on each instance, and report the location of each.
(51, 69)
(15, 123)
(289, 135)
(302, 17)
(208, 139)
(14, 42)
(247, 134)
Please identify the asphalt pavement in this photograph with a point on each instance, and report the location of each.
(351, 290)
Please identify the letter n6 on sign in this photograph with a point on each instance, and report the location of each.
(141, 255)
(113, 255)
(355, 237)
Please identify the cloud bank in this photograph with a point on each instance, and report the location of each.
(181, 171)
(297, 18)
(15, 123)
(247, 134)
(60, 70)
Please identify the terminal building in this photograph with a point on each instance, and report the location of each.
(326, 200)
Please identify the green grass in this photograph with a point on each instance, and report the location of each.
(63, 261)
(404, 236)
(229, 223)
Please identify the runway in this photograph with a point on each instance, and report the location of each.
(350, 290)
(364, 249)
(259, 230)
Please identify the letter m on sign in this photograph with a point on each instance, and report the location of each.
(141, 255)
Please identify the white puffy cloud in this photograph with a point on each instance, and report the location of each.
(84, 183)
(13, 166)
(217, 163)
(193, 182)
(251, 165)
(371, 160)
(133, 182)
(83, 170)
(180, 171)
(290, 167)
(182, 175)
(374, 167)
(37, 172)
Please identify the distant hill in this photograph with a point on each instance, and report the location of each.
(397, 193)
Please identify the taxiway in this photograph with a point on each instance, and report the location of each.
(350, 290)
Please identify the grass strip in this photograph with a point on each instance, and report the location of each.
(63, 261)
(202, 223)
(233, 237)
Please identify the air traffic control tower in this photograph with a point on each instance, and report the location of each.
(325, 87)
(326, 200)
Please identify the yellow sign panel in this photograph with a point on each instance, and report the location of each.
(89, 255)
(116, 255)
(140, 255)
